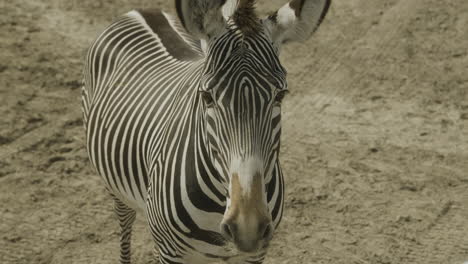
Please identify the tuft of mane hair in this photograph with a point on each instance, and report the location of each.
(245, 17)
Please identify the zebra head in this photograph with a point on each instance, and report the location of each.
(241, 87)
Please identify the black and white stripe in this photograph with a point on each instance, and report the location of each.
(163, 149)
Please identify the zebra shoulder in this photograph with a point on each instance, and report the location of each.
(170, 32)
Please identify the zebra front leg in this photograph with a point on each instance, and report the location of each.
(126, 216)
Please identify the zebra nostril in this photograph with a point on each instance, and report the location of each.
(228, 230)
(267, 232)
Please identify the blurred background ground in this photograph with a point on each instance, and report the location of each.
(375, 141)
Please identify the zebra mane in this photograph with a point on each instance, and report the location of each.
(245, 17)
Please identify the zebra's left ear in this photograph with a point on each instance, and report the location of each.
(201, 18)
(297, 20)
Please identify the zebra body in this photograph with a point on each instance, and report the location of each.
(156, 141)
(130, 80)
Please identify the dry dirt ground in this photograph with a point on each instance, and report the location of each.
(375, 142)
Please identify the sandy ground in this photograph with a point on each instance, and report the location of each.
(375, 142)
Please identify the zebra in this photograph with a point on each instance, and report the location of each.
(183, 121)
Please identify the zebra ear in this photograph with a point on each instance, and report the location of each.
(297, 20)
(201, 18)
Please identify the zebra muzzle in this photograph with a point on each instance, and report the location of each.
(247, 222)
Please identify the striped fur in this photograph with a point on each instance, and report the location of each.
(163, 150)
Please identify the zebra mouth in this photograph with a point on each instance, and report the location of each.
(236, 250)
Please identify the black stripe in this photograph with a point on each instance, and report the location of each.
(174, 44)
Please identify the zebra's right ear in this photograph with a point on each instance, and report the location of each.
(297, 20)
(201, 18)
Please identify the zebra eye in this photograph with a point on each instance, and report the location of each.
(207, 98)
(280, 96)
